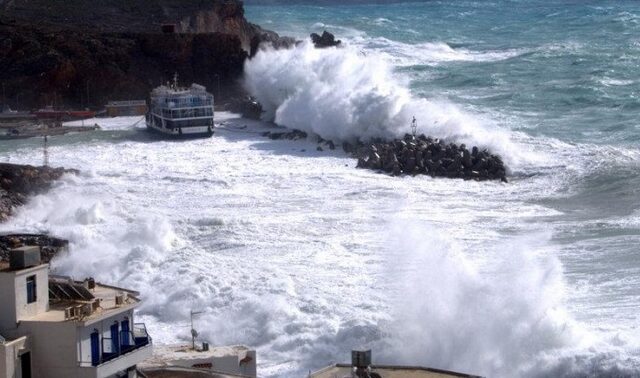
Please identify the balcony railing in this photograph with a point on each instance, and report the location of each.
(128, 341)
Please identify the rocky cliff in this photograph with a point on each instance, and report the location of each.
(138, 16)
(84, 53)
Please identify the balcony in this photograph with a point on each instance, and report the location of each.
(129, 341)
(132, 348)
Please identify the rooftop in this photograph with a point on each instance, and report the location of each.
(180, 372)
(84, 301)
(167, 355)
(389, 371)
(6, 268)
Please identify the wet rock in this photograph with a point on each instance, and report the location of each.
(425, 155)
(291, 135)
(247, 106)
(325, 40)
(416, 155)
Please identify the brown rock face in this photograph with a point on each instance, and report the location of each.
(49, 65)
(83, 53)
(138, 16)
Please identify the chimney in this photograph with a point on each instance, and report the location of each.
(24, 257)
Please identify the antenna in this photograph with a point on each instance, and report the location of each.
(175, 80)
(194, 333)
(414, 126)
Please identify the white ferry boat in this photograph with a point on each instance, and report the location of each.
(181, 112)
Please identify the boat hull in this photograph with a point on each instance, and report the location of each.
(184, 133)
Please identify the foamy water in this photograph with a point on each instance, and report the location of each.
(304, 257)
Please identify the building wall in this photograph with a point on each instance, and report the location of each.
(8, 295)
(10, 353)
(229, 364)
(54, 348)
(24, 309)
(13, 291)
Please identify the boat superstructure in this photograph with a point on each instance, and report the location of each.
(181, 112)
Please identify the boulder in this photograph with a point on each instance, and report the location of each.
(325, 40)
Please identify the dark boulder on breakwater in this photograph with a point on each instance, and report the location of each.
(325, 40)
(414, 155)
(290, 135)
(247, 106)
(18, 182)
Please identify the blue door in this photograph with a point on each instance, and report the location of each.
(126, 336)
(95, 348)
(115, 339)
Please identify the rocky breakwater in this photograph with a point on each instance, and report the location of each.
(414, 155)
(18, 182)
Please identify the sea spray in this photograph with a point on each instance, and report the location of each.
(346, 94)
(450, 316)
(513, 323)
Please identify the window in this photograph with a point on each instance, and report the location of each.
(31, 289)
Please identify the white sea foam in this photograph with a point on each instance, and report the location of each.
(450, 316)
(119, 123)
(430, 53)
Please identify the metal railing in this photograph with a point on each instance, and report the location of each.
(128, 341)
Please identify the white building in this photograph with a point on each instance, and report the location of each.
(52, 326)
(228, 361)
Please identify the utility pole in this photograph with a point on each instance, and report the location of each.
(87, 85)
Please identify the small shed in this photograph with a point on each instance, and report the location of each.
(126, 108)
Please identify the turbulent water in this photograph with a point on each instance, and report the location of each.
(296, 253)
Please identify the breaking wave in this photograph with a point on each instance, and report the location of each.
(343, 94)
(511, 324)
